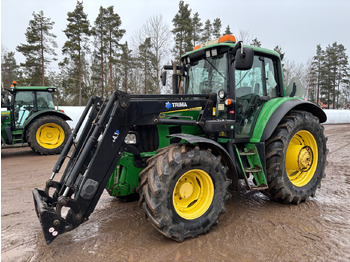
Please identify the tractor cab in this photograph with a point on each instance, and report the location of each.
(243, 79)
(22, 102)
(31, 117)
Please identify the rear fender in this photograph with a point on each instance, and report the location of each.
(275, 117)
(216, 149)
(38, 114)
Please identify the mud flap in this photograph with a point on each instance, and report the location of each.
(52, 224)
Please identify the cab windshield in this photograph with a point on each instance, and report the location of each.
(206, 76)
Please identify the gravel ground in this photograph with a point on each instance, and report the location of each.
(254, 228)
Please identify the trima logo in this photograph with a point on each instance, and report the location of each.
(115, 136)
(169, 105)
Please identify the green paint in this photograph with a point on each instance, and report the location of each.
(256, 49)
(34, 88)
(254, 161)
(254, 164)
(268, 109)
(125, 177)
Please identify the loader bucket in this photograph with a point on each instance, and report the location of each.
(52, 224)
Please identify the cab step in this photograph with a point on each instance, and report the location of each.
(253, 167)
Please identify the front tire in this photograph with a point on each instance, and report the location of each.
(296, 158)
(47, 135)
(183, 191)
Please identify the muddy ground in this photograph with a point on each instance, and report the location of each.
(253, 228)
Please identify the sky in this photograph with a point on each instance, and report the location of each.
(297, 26)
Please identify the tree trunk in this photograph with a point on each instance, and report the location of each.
(102, 71)
(79, 76)
(110, 66)
(42, 56)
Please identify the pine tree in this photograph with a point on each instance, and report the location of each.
(99, 32)
(39, 50)
(217, 28)
(126, 65)
(113, 36)
(343, 71)
(255, 42)
(316, 71)
(207, 31)
(98, 73)
(197, 29)
(278, 49)
(182, 30)
(228, 31)
(77, 32)
(148, 66)
(9, 69)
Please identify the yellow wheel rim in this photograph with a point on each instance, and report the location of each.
(50, 136)
(193, 194)
(301, 158)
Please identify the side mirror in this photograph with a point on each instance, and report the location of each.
(5, 99)
(163, 77)
(244, 58)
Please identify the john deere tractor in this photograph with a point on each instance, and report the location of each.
(31, 118)
(230, 117)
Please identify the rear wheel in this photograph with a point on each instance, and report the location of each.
(47, 135)
(296, 158)
(183, 191)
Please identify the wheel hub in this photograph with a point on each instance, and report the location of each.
(305, 159)
(50, 135)
(193, 194)
(186, 189)
(301, 158)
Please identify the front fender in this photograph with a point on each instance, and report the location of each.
(216, 149)
(272, 114)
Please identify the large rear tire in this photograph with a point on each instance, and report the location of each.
(296, 158)
(183, 191)
(47, 135)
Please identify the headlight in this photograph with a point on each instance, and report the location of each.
(130, 139)
(221, 93)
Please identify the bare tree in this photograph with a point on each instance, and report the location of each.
(158, 31)
(244, 36)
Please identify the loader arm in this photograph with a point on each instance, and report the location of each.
(97, 152)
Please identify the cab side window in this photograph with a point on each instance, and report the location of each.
(250, 81)
(271, 84)
(44, 100)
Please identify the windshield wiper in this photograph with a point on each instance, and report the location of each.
(215, 69)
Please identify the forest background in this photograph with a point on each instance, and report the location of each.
(94, 58)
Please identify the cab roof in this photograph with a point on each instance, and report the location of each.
(34, 88)
(230, 44)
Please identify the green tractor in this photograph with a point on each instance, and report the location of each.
(31, 118)
(230, 117)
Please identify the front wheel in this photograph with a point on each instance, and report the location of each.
(183, 191)
(47, 135)
(296, 158)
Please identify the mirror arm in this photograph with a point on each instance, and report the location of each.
(234, 50)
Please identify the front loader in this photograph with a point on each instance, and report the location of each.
(230, 118)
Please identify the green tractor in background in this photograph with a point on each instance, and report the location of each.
(31, 118)
(230, 117)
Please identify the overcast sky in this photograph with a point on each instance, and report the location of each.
(295, 25)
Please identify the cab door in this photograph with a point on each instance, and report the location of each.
(253, 88)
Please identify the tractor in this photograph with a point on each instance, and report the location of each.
(229, 118)
(31, 117)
